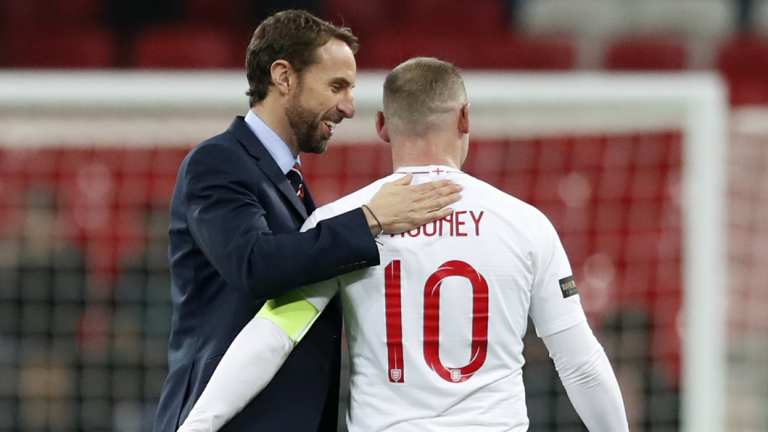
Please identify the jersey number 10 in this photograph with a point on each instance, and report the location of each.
(432, 321)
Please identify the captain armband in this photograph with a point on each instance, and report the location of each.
(292, 313)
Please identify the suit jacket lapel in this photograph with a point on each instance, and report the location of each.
(265, 162)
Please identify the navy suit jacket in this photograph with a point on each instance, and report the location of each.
(234, 243)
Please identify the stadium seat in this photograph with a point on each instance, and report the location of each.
(228, 13)
(386, 50)
(19, 19)
(76, 11)
(477, 16)
(21, 14)
(17, 15)
(646, 53)
(62, 48)
(363, 17)
(703, 18)
(744, 63)
(186, 47)
(483, 51)
(508, 51)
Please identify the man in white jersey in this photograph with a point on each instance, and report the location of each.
(435, 332)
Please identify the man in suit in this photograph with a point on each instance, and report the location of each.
(236, 210)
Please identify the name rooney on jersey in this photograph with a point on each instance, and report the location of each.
(462, 223)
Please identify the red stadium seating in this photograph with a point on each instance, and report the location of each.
(507, 51)
(363, 17)
(460, 17)
(187, 47)
(61, 48)
(646, 53)
(744, 62)
(486, 51)
(25, 14)
(76, 11)
(19, 19)
(228, 13)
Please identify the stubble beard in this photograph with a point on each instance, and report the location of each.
(306, 126)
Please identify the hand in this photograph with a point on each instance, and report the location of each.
(400, 206)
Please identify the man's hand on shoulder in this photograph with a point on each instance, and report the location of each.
(399, 206)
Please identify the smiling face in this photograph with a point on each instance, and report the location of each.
(323, 97)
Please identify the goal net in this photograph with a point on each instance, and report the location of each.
(663, 218)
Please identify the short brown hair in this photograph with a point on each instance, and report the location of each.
(420, 88)
(290, 35)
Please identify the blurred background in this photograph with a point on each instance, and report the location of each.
(658, 35)
(84, 284)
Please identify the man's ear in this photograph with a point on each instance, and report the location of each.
(381, 126)
(464, 119)
(283, 76)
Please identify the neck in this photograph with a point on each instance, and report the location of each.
(425, 151)
(272, 113)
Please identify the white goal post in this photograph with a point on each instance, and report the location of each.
(144, 108)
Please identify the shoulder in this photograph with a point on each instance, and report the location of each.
(513, 207)
(223, 145)
(220, 152)
(515, 216)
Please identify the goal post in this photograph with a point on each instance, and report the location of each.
(139, 110)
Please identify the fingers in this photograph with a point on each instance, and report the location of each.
(434, 215)
(438, 214)
(405, 180)
(439, 201)
(400, 206)
(435, 186)
(435, 208)
(427, 196)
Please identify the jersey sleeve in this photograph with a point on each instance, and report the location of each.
(555, 303)
(588, 378)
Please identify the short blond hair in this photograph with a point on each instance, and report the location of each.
(418, 90)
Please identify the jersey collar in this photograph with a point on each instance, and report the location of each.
(427, 169)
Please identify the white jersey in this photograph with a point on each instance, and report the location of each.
(435, 332)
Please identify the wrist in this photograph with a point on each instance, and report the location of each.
(373, 222)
